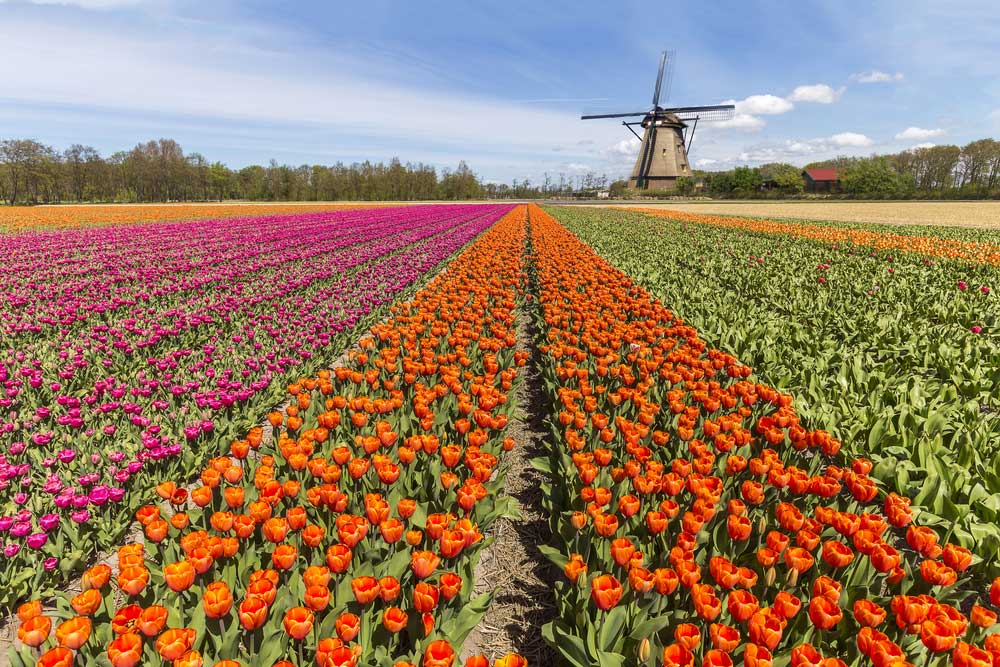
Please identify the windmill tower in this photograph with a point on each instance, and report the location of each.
(667, 135)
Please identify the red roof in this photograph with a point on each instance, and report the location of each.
(822, 174)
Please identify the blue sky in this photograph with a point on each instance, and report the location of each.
(499, 84)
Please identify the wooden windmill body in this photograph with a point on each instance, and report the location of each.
(666, 138)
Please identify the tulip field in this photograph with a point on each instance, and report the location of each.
(283, 439)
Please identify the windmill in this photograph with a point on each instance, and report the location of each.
(667, 134)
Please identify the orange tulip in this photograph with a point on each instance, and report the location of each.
(59, 656)
(511, 660)
(756, 656)
(837, 554)
(937, 636)
(34, 631)
(423, 563)
(263, 589)
(217, 600)
(347, 625)
(365, 589)
(868, 614)
(675, 655)
(388, 588)
(982, 616)
(96, 577)
(967, 655)
(29, 610)
(175, 642)
(742, 605)
(191, 658)
(252, 613)
(298, 622)
(317, 598)
(765, 628)
(87, 602)
(284, 556)
(179, 576)
(798, 559)
(73, 633)
(823, 613)
(394, 619)
(425, 597)
(125, 650)
(724, 637)
(133, 580)
(606, 591)
(438, 654)
(338, 558)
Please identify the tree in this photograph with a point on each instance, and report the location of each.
(81, 164)
(874, 177)
(786, 177)
(24, 162)
(746, 180)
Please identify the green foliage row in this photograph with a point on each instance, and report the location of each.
(876, 347)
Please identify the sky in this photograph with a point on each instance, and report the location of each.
(499, 84)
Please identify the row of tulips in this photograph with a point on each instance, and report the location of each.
(349, 534)
(40, 218)
(931, 245)
(894, 353)
(698, 521)
(129, 349)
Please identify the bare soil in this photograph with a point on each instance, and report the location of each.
(512, 565)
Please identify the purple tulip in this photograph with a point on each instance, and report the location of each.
(37, 540)
(11, 550)
(99, 495)
(50, 563)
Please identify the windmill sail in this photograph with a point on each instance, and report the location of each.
(663, 155)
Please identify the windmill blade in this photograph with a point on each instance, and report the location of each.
(716, 112)
(614, 115)
(659, 80)
(668, 76)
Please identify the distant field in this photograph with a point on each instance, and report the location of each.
(18, 218)
(984, 214)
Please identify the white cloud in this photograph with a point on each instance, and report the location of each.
(137, 72)
(577, 168)
(740, 121)
(626, 148)
(923, 145)
(819, 93)
(768, 105)
(918, 133)
(850, 139)
(876, 76)
(801, 150)
(705, 162)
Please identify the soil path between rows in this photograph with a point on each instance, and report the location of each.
(512, 565)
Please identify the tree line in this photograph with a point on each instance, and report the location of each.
(937, 172)
(160, 171)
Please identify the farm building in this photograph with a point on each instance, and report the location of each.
(821, 180)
